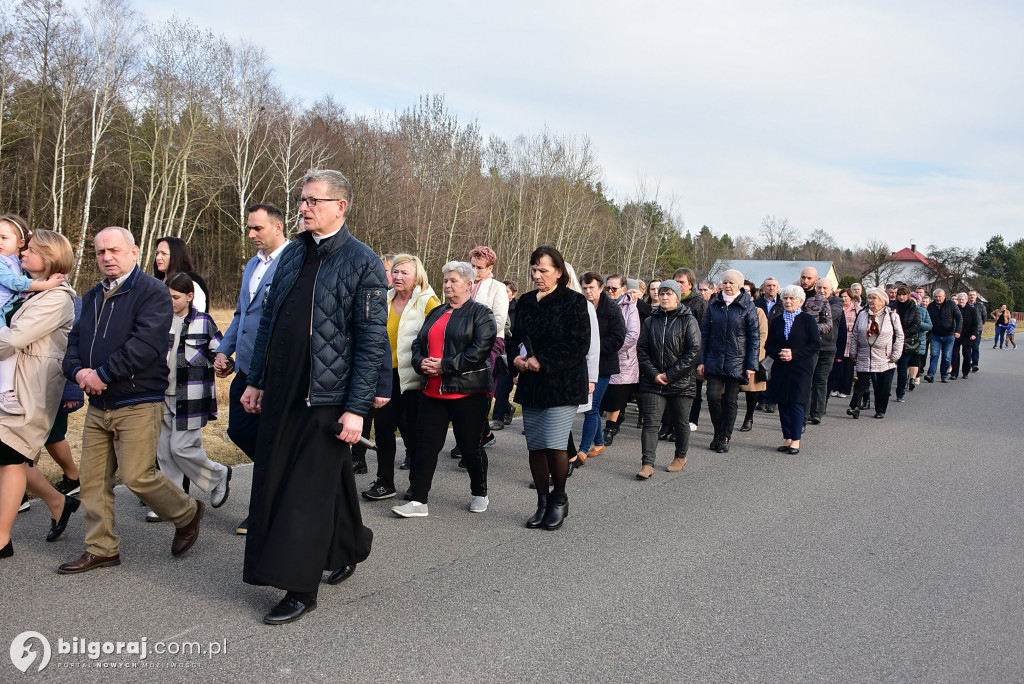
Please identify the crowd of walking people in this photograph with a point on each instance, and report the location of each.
(329, 338)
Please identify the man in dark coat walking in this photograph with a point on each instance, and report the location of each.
(314, 372)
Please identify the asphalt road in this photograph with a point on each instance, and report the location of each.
(885, 551)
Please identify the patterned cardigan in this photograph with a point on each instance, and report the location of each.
(196, 393)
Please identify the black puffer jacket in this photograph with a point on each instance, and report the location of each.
(946, 318)
(468, 338)
(910, 317)
(837, 336)
(670, 344)
(611, 327)
(556, 330)
(350, 318)
(730, 337)
(697, 305)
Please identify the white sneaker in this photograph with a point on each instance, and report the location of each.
(693, 427)
(10, 404)
(479, 504)
(833, 393)
(220, 493)
(413, 509)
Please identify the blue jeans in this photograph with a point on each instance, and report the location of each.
(592, 434)
(942, 344)
(1000, 336)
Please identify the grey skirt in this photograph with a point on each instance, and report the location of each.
(548, 428)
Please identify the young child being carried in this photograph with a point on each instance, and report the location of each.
(13, 282)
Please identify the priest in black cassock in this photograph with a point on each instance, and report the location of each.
(313, 376)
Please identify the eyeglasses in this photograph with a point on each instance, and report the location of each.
(480, 268)
(311, 201)
(612, 288)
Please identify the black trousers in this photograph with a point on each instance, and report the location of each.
(722, 407)
(398, 414)
(819, 384)
(435, 415)
(882, 383)
(654, 407)
(242, 426)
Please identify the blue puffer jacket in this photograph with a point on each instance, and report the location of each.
(350, 318)
(124, 339)
(730, 337)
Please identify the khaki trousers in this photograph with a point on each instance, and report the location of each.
(125, 440)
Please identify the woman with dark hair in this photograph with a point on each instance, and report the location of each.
(730, 342)
(612, 331)
(452, 351)
(793, 343)
(552, 328)
(910, 318)
(172, 257)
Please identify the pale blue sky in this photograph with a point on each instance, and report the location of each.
(893, 120)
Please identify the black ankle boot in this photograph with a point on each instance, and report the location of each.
(610, 430)
(558, 509)
(723, 446)
(542, 508)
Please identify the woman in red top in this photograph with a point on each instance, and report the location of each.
(453, 351)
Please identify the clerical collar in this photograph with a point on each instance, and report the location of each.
(320, 238)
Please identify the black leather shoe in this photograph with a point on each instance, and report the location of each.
(855, 412)
(815, 421)
(558, 509)
(769, 408)
(8, 550)
(57, 527)
(671, 437)
(542, 508)
(793, 451)
(929, 378)
(784, 449)
(406, 464)
(866, 403)
(879, 415)
(663, 435)
(288, 610)
(747, 426)
(359, 467)
(341, 574)
(715, 443)
(723, 446)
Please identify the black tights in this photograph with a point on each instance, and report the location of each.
(752, 399)
(553, 463)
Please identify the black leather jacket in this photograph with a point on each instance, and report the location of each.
(349, 326)
(468, 338)
(670, 344)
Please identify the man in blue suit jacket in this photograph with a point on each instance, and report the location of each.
(266, 230)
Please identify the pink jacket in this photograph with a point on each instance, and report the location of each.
(629, 365)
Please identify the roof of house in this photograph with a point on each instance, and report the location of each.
(786, 272)
(908, 254)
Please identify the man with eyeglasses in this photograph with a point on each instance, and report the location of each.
(313, 377)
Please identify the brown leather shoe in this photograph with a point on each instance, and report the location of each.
(185, 537)
(89, 562)
(676, 465)
(645, 473)
(596, 451)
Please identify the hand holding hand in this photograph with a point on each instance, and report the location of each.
(661, 379)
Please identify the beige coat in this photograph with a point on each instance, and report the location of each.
(39, 336)
(759, 386)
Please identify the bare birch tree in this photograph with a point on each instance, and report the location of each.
(113, 29)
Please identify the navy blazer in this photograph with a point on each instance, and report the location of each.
(241, 334)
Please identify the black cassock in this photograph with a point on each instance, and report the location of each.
(304, 515)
